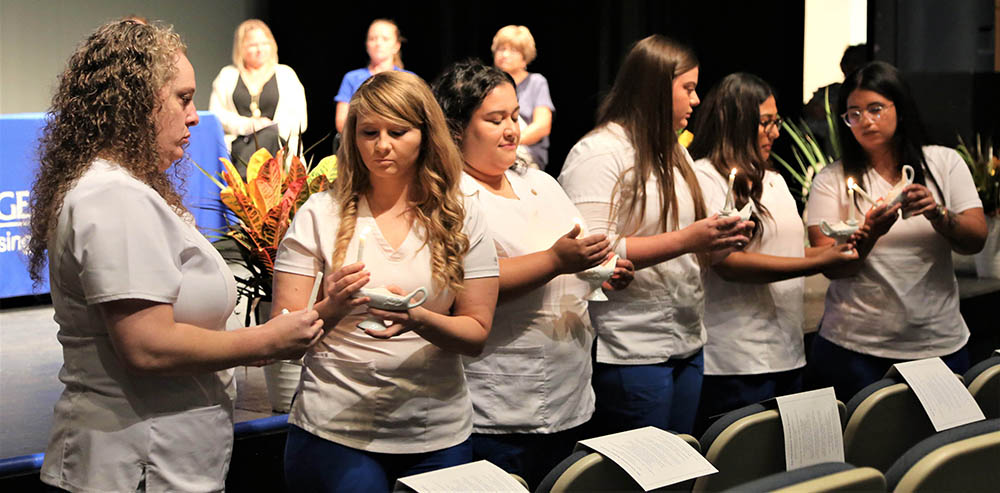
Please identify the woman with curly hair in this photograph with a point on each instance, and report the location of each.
(378, 404)
(140, 296)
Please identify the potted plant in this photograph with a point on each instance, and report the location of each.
(984, 164)
(259, 211)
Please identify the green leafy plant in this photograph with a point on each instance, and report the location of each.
(984, 167)
(810, 157)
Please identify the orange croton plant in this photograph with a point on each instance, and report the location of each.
(264, 206)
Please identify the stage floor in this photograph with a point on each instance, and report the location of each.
(30, 359)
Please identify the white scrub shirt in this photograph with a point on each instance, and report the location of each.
(116, 238)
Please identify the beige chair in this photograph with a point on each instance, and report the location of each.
(964, 458)
(589, 471)
(819, 478)
(984, 385)
(884, 420)
(744, 445)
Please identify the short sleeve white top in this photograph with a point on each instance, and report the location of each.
(534, 374)
(659, 315)
(754, 328)
(402, 395)
(116, 238)
(903, 303)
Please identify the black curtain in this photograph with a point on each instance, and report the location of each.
(580, 46)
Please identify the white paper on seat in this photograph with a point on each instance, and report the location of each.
(653, 457)
(472, 477)
(811, 425)
(947, 402)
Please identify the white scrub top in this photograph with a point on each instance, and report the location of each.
(534, 374)
(659, 315)
(401, 395)
(755, 328)
(116, 239)
(903, 303)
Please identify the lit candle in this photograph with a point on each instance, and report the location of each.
(850, 200)
(730, 205)
(361, 243)
(857, 188)
(579, 222)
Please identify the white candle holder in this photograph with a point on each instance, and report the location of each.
(596, 276)
(383, 299)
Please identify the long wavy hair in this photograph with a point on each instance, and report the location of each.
(641, 101)
(910, 136)
(105, 106)
(727, 133)
(404, 99)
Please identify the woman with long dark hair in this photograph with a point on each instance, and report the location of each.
(755, 349)
(899, 300)
(633, 181)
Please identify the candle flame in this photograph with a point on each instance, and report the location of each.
(732, 173)
(364, 232)
(850, 183)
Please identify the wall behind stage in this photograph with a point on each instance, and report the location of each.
(580, 47)
(38, 36)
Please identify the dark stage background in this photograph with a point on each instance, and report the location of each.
(580, 46)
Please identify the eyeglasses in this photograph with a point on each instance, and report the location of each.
(767, 124)
(853, 117)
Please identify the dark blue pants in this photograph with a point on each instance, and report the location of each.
(723, 393)
(313, 464)
(849, 371)
(664, 395)
(529, 455)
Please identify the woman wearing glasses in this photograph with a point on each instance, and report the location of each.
(754, 349)
(899, 300)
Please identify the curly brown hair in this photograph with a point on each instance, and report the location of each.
(105, 106)
(406, 99)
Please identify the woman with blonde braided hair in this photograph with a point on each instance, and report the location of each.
(378, 404)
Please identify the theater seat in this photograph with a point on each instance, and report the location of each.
(984, 385)
(964, 458)
(584, 470)
(744, 445)
(818, 478)
(884, 420)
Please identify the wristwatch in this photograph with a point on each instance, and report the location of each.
(939, 211)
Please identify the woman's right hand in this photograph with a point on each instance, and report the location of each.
(878, 220)
(338, 293)
(833, 254)
(572, 254)
(718, 233)
(295, 332)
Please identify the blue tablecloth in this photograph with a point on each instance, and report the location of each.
(18, 161)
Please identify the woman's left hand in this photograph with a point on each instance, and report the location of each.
(917, 199)
(401, 322)
(622, 277)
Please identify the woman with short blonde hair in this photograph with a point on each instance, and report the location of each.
(513, 49)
